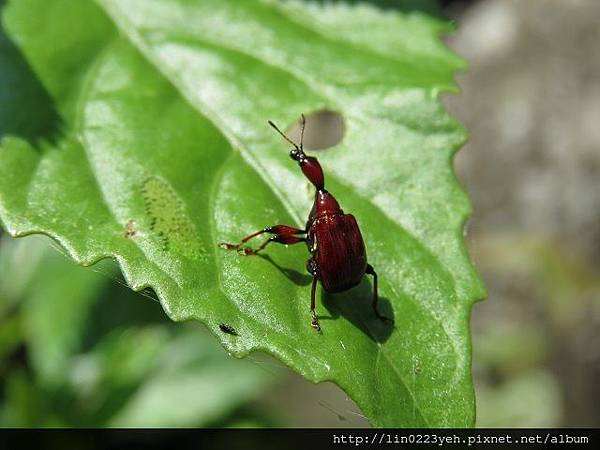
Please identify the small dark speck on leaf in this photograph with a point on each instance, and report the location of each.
(228, 329)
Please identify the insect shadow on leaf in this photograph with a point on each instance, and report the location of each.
(298, 278)
(353, 305)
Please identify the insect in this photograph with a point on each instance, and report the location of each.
(339, 258)
(227, 329)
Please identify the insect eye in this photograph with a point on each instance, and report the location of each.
(294, 154)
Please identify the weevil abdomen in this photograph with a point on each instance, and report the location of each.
(339, 251)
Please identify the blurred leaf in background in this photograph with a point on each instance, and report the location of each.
(535, 356)
(532, 168)
(80, 350)
(163, 151)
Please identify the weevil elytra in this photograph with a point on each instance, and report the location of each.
(339, 258)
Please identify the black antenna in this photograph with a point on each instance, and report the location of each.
(302, 132)
(284, 136)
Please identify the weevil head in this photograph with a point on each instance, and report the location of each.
(296, 154)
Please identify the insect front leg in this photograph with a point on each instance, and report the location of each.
(282, 234)
(371, 271)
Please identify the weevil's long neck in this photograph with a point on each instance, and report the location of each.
(325, 203)
(312, 170)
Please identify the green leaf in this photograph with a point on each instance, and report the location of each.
(56, 310)
(194, 383)
(167, 153)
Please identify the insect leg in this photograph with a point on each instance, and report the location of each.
(283, 230)
(371, 271)
(314, 321)
(279, 238)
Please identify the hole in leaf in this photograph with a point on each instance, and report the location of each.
(324, 129)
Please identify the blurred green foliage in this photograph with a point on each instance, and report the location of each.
(77, 348)
(534, 352)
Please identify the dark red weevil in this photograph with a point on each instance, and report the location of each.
(339, 258)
